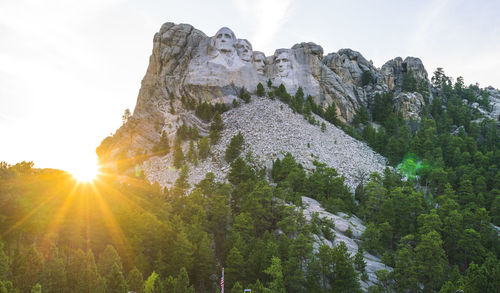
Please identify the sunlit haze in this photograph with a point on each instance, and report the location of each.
(69, 69)
(84, 171)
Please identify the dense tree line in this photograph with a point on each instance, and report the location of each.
(61, 236)
(435, 231)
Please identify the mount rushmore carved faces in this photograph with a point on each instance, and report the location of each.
(283, 64)
(225, 40)
(259, 62)
(244, 49)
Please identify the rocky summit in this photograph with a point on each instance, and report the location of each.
(187, 63)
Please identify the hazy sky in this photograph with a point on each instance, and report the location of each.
(69, 69)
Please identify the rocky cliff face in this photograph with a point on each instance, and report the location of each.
(187, 63)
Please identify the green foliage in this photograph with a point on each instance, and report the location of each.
(107, 259)
(240, 172)
(244, 95)
(192, 154)
(366, 78)
(337, 269)
(382, 107)
(331, 114)
(430, 261)
(185, 132)
(207, 112)
(182, 181)
(115, 281)
(323, 127)
(126, 116)
(409, 82)
(361, 117)
(234, 147)
(36, 289)
(203, 148)
(182, 283)
(260, 90)
(152, 284)
(135, 281)
(178, 155)
(275, 272)
(162, 147)
(215, 128)
(235, 267)
(237, 288)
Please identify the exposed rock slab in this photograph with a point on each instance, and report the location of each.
(409, 104)
(342, 223)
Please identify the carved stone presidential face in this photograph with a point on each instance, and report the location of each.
(225, 40)
(259, 62)
(283, 63)
(244, 49)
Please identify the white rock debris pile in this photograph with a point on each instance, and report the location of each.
(270, 130)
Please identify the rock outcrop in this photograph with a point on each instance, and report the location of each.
(409, 104)
(343, 222)
(186, 62)
(392, 71)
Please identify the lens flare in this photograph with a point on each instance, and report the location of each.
(412, 167)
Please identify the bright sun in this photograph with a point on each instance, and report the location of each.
(85, 171)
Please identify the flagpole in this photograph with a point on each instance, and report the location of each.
(222, 281)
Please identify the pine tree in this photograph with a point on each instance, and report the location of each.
(237, 288)
(323, 127)
(107, 259)
(233, 149)
(244, 95)
(178, 155)
(4, 262)
(191, 155)
(431, 261)
(135, 281)
(182, 283)
(162, 147)
(331, 114)
(216, 127)
(54, 275)
(28, 269)
(260, 90)
(182, 180)
(275, 271)
(36, 289)
(115, 281)
(203, 148)
(235, 267)
(152, 283)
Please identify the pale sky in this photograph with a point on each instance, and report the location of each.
(69, 69)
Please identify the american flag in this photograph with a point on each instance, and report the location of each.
(222, 282)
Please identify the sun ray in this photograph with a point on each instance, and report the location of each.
(114, 229)
(51, 195)
(59, 217)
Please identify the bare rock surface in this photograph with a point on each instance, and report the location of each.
(409, 104)
(270, 130)
(342, 223)
(185, 62)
